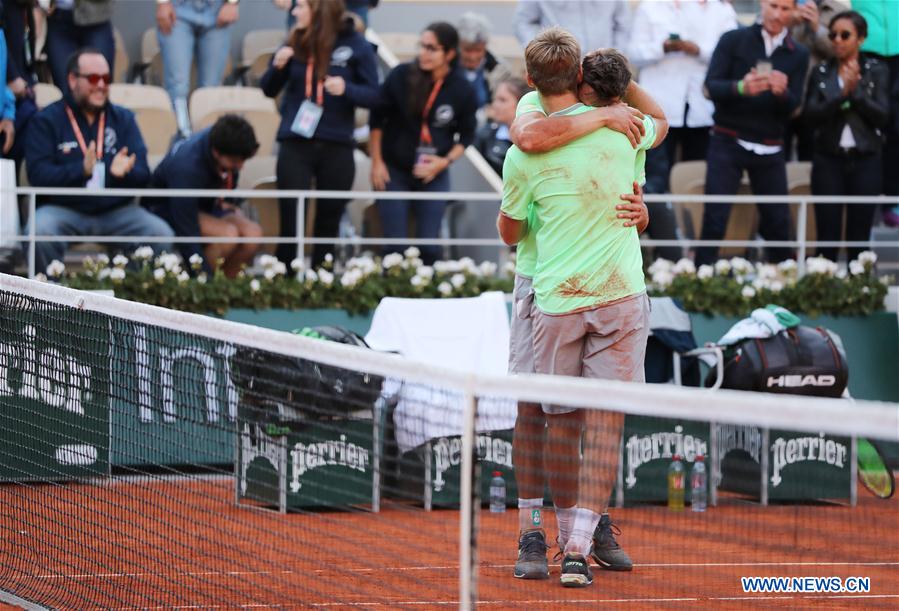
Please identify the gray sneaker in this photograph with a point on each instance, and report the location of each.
(531, 563)
(606, 551)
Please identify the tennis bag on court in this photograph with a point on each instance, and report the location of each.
(797, 361)
(277, 388)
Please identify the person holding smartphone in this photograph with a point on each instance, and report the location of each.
(755, 80)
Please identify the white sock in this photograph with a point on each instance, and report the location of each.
(581, 539)
(565, 520)
(530, 515)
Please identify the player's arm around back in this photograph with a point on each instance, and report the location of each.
(637, 97)
(534, 132)
(511, 223)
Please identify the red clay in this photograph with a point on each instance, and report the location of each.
(184, 542)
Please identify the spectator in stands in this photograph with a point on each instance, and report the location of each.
(210, 159)
(7, 107)
(672, 47)
(72, 25)
(492, 140)
(596, 24)
(359, 8)
(326, 70)
(423, 123)
(882, 43)
(187, 25)
(755, 79)
(478, 65)
(18, 29)
(848, 101)
(83, 141)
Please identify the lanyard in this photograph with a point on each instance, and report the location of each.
(229, 184)
(320, 94)
(101, 131)
(425, 131)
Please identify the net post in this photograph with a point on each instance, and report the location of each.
(428, 490)
(853, 471)
(238, 456)
(619, 484)
(32, 231)
(376, 455)
(714, 464)
(802, 236)
(282, 475)
(301, 228)
(763, 490)
(469, 505)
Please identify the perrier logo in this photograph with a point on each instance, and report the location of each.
(642, 449)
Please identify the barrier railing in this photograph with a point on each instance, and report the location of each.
(801, 243)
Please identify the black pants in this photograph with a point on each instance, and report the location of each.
(890, 156)
(767, 175)
(694, 142)
(845, 175)
(331, 165)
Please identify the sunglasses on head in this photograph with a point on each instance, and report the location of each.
(843, 34)
(94, 79)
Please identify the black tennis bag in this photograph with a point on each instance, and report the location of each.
(797, 361)
(280, 389)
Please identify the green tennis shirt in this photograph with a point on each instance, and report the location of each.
(585, 256)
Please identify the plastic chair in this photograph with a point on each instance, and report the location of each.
(45, 94)
(153, 112)
(209, 103)
(122, 62)
(257, 50)
(403, 45)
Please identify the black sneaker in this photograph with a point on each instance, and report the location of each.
(576, 571)
(531, 563)
(606, 551)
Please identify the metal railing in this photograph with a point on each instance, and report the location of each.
(801, 243)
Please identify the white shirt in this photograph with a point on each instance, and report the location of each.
(772, 42)
(847, 138)
(676, 80)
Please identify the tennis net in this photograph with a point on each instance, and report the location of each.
(153, 458)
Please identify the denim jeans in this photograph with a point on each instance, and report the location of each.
(64, 38)
(130, 220)
(767, 176)
(194, 32)
(394, 213)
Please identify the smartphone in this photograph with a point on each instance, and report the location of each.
(673, 36)
(763, 67)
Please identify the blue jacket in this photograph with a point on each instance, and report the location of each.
(353, 58)
(189, 165)
(7, 99)
(54, 158)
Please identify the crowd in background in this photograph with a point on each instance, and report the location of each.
(808, 81)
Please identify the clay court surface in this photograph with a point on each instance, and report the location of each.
(159, 544)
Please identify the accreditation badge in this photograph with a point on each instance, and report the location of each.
(98, 178)
(307, 118)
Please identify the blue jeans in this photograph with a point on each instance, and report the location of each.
(64, 38)
(194, 32)
(394, 213)
(130, 220)
(767, 176)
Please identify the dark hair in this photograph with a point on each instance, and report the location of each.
(75, 58)
(553, 60)
(419, 82)
(317, 41)
(861, 25)
(518, 86)
(607, 73)
(233, 135)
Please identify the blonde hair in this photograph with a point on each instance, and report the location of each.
(553, 61)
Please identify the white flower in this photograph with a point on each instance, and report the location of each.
(104, 273)
(748, 292)
(167, 261)
(787, 265)
(663, 278)
(195, 260)
(297, 264)
(457, 280)
(413, 263)
(866, 290)
(425, 272)
(143, 253)
(159, 274)
(310, 276)
(325, 277)
(741, 266)
(660, 265)
(102, 259)
(842, 273)
(56, 268)
(684, 266)
(766, 271)
(329, 258)
(509, 268)
(445, 288)
(392, 260)
(722, 267)
(467, 264)
(269, 273)
(120, 261)
(351, 278)
(820, 265)
(183, 277)
(867, 256)
(201, 278)
(417, 281)
(412, 253)
(856, 268)
(266, 260)
(776, 286)
(254, 285)
(705, 272)
(487, 268)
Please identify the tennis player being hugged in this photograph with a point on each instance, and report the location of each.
(590, 312)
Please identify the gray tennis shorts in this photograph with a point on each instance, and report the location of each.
(608, 342)
(521, 331)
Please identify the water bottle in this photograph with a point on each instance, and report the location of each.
(497, 493)
(676, 484)
(698, 485)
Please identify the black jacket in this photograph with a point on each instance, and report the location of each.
(15, 15)
(493, 149)
(760, 118)
(866, 110)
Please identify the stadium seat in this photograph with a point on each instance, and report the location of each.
(45, 94)
(267, 212)
(799, 182)
(257, 50)
(506, 49)
(353, 223)
(122, 62)
(153, 111)
(403, 45)
(209, 103)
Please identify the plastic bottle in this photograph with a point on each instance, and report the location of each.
(676, 484)
(497, 493)
(698, 485)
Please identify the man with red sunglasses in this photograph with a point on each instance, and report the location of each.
(84, 142)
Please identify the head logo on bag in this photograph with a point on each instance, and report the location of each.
(798, 381)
